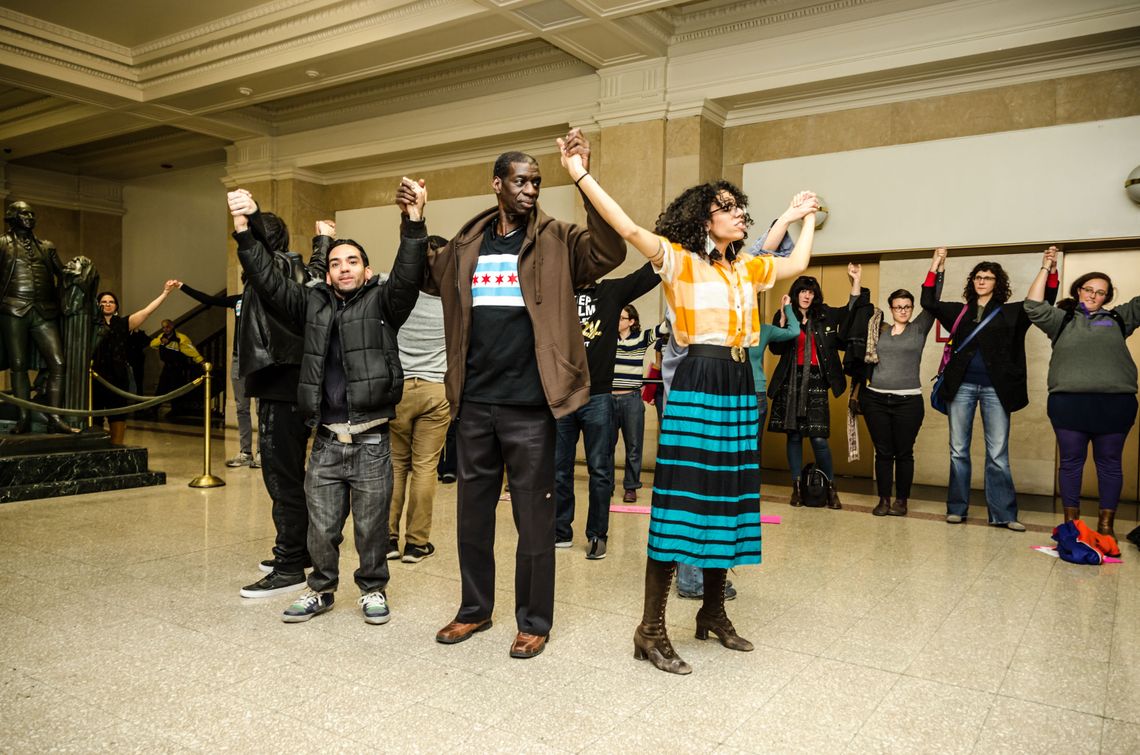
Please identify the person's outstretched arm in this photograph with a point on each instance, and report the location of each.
(283, 293)
(1048, 265)
(136, 320)
(801, 204)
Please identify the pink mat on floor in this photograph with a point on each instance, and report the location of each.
(1050, 550)
(623, 509)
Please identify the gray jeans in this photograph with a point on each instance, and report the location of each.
(341, 476)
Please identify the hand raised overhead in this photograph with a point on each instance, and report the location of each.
(325, 228)
(411, 196)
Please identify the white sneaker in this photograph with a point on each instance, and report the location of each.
(563, 543)
(955, 519)
(241, 460)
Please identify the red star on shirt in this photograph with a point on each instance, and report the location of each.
(486, 279)
(513, 278)
(499, 280)
(474, 280)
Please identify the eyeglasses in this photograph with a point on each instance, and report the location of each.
(984, 278)
(903, 307)
(1093, 291)
(730, 208)
(625, 317)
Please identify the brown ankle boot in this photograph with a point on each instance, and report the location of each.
(833, 497)
(1105, 522)
(898, 508)
(795, 499)
(883, 507)
(1072, 513)
(712, 618)
(650, 641)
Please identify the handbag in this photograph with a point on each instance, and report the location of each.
(936, 400)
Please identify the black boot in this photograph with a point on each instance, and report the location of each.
(795, 499)
(712, 618)
(898, 508)
(883, 508)
(833, 497)
(650, 641)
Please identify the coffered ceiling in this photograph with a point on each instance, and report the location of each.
(121, 89)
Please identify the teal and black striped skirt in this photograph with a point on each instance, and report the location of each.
(706, 491)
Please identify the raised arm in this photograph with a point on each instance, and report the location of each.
(796, 262)
(402, 289)
(136, 320)
(1048, 265)
(286, 295)
(642, 240)
(229, 302)
(801, 204)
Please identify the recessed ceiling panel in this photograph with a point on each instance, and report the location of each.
(550, 14)
(134, 24)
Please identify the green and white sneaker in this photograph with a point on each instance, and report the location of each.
(375, 608)
(307, 606)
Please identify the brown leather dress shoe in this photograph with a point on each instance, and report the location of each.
(457, 631)
(629, 497)
(528, 645)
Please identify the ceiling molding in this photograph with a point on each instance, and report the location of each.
(36, 186)
(36, 28)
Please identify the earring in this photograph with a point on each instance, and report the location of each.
(710, 247)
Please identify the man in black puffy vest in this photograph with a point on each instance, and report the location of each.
(350, 383)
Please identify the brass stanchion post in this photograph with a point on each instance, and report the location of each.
(207, 480)
(91, 394)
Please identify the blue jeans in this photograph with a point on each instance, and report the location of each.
(819, 448)
(629, 420)
(343, 476)
(690, 580)
(595, 421)
(1001, 498)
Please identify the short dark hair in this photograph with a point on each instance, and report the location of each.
(352, 243)
(901, 293)
(108, 293)
(1002, 291)
(1070, 304)
(504, 161)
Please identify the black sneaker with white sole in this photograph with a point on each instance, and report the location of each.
(413, 554)
(274, 583)
(393, 548)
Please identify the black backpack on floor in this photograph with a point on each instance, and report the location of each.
(814, 487)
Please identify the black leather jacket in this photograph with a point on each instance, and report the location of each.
(266, 337)
(367, 323)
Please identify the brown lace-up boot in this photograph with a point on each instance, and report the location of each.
(1072, 513)
(712, 618)
(650, 641)
(1103, 525)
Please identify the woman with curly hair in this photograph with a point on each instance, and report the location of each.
(706, 504)
(809, 366)
(1092, 385)
(988, 370)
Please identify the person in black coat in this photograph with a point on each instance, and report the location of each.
(809, 366)
(988, 370)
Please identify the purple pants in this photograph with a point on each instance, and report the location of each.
(1074, 447)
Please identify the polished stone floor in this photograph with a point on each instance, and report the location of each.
(122, 630)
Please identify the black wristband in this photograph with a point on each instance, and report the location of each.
(581, 177)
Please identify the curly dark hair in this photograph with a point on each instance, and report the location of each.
(630, 311)
(1070, 304)
(1002, 291)
(683, 221)
(807, 283)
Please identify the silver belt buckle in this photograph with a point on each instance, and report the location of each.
(345, 438)
(738, 354)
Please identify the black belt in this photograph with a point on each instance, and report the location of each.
(376, 435)
(730, 353)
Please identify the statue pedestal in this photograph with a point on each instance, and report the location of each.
(46, 466)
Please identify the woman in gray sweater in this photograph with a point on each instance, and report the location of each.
(1092, 385)
(891, 400)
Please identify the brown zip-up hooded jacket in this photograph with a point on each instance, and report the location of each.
(556, 258)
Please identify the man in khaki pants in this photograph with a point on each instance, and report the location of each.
(420, 427)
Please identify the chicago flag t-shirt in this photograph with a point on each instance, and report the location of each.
(501, 366)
